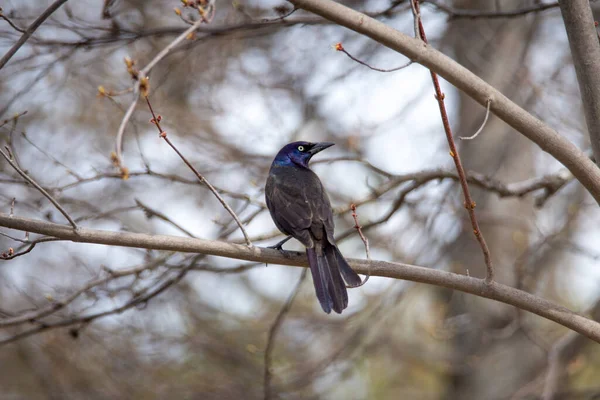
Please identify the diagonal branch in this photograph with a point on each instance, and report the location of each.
(156, 121)
(143, 80)
(13, 164)
(29, 31)
(535, 130)
(467, 284)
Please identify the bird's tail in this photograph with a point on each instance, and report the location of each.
(327, 266)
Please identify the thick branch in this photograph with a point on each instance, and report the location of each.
(478, 287)
(537, 131)
(583, 40)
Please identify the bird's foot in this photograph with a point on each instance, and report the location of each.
(279, 246)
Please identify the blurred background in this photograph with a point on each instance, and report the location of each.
(230, 97)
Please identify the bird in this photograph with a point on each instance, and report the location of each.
(300, 208)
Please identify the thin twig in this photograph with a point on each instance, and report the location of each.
(339, 47)
(50, 156)
(32, 28)
(281, 17)
(15, 117)
(58, 304)
(11, 254)
(124, 121)
(156, 121)
(487, 114)
(455, 13)
(153, 213)
(15, 27)
(416, 17)
(365, 241)
(469, 203)
(273, 332)
(14, 238)
(141, 77)
(136, 301)
(38, 187)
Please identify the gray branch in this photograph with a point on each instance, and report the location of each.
(29, 31)
(535, 130)
(467, 284)
(585, 50)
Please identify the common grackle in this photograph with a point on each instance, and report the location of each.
(300, 208)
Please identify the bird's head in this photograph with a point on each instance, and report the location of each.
(299, 153)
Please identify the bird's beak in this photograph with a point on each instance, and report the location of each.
(319, 147)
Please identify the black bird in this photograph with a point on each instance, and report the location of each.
(301, 209)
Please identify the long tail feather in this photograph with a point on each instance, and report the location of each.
(351, 277)
(319, 280)
(329, 269)
(336, 286)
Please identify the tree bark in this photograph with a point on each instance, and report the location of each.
(585, 50)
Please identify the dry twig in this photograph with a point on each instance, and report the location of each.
(156, 121)
(469, 203)
(340, 47)
(8, 157)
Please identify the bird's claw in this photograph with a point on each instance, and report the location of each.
(279, 247)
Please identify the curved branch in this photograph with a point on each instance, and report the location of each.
(467, 284)
(535, 130)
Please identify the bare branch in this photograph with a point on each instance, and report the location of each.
(537, 131)
(86, 319)
(364, 240)
(154, 213)
(583, 41)
(38, 187)
(339, 47)
(32, 243)
(487, 114)
(202, 179)
(478, 287)
(142, 77)
(29, 31)
(456, 13)
(469, 202)
(12, 24)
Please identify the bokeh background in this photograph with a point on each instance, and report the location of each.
(230, 97)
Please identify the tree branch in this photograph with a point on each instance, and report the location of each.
(32, 28)
(457, 13)
(537, 131)
(583, 40)
(9, 159)
(475, 286)
(469, 202)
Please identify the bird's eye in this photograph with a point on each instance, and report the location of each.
(301, 148)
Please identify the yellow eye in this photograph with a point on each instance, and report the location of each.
(301, 148)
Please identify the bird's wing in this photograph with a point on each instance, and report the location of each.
(288, 204)
(322, 215)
